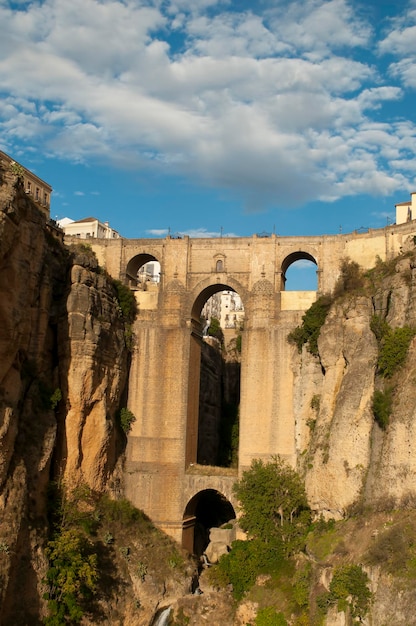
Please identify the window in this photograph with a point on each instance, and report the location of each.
(219, 265)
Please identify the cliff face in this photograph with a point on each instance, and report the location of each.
(93, 368)
(345, 455)
(63, 368)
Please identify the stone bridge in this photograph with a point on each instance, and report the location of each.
(162, 476)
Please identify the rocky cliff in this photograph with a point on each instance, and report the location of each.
(63, 369)
(347, 457)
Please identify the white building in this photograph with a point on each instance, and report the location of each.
(87, 228)
(406, 211)
(227, 307)
(149, 272)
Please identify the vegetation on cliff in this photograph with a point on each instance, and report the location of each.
(393, 347)
(97, 547)
(279, 566)
(312, 322)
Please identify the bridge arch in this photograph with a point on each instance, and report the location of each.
(207, 288)
(207, 509)
(211, 426)
(135, 263)
(292, 258)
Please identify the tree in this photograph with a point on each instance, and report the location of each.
(72, 576)
(215, 329)
(274, 504)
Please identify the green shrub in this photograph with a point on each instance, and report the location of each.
(316, 402)
(349, 588)
(126, 419)
(350, 279)
(55, 398)
(382, 407)
(121, 511)
(270, 617)
(126, 301)
(393, 350)
(244, 563)
(380, 327)
(393, 345)
(17, 170)
(395, 550)
(301, 586)
(312, 322)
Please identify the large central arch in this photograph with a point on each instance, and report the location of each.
(201, 295)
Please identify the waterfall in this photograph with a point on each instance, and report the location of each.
(162, 617)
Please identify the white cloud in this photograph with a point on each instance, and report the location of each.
(406, 70)
(200, 233)
(401, 42)
(316, 26)
(233, 34)
(158, 232)
(270, 104)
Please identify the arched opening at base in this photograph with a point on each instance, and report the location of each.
(206, 510)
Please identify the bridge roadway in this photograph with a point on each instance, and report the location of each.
(161, 475)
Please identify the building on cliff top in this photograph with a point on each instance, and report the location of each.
(38, 189)
(87, 228)
(406, 211)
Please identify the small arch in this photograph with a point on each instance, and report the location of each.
(219, 267)
(141, 269)
(205, 510)
(299, 272)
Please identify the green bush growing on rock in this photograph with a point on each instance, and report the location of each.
(244, 563)
(349, 589)
(55, 398)
(126, 419)
(382, 406)
(126, 301)
(350, 279)
(312, 322)
(393, 345)
(270, 617)
(380, 327)
(393, 351)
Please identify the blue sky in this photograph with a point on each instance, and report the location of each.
(202, 116)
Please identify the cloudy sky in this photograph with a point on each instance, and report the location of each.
(207, 117)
